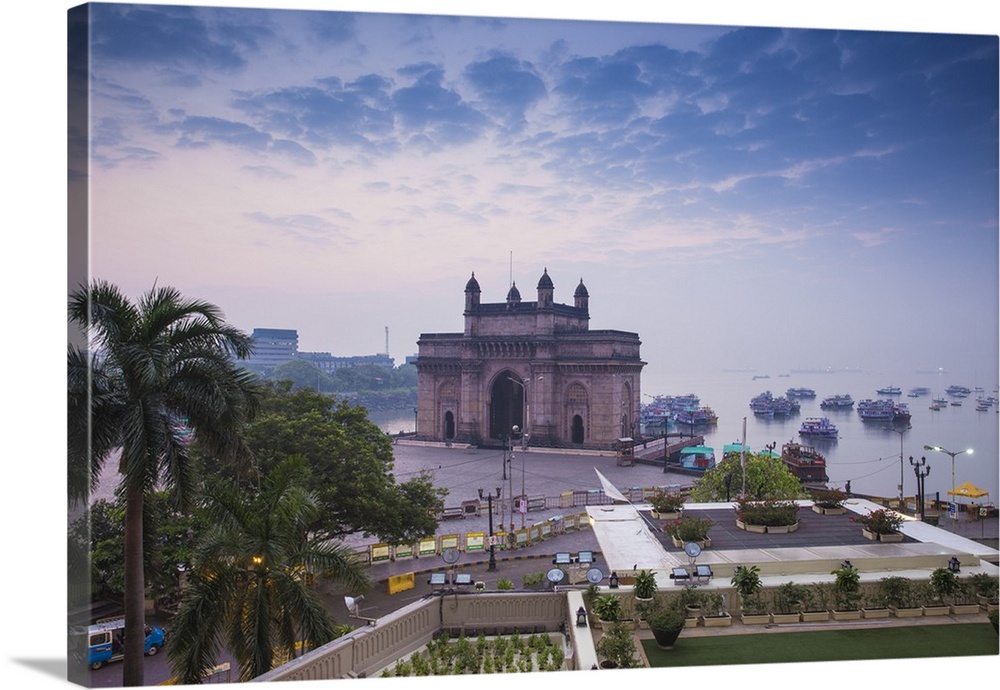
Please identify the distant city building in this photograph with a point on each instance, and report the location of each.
(274, 346)
(531, 364)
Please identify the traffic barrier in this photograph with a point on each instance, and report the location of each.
(400, 583)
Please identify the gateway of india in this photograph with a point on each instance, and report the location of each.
(536, 366)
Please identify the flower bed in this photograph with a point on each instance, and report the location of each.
(881, 523)
(768, 516)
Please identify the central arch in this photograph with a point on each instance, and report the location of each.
(506, 404)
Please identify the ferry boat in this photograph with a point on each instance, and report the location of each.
(889, 390)
(805, 462)
(693, 460)
(900, 412)
(763, 404)
(818, 426)
(958, 391)
(838, 402)
(876, 410)
(800, 393)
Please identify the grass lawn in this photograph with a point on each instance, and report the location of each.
(906, 642)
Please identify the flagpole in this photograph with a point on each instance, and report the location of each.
(743, 460)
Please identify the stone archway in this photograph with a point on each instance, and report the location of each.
(449, 426)
(506, 405)
(576, 431)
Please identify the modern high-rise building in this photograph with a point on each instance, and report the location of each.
(272, 346)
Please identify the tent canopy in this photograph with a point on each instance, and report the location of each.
(968, 490)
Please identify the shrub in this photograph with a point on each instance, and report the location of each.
(689, 528)
(897, 592)
(789, 597)
(666, 501)
(667, 619)
(608, 607)
(847, 588)
(829, 498)
(616, 645)
(769, 513)
(880, 521)
(505, 583)
(644, 586)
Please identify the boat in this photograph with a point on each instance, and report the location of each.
(785, 406)
(889, 390)
(838, 402)
(697, 417)
(818, 426)
(693, 460)
(805, 462)
(763, 404)
(900, 412)
(936, 406)
(876, 410)
(800, 393)
(958, 391)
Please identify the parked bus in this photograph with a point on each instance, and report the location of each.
(105, 641)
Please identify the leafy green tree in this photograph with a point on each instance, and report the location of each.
(302, 374)
(249, 588)
(156, 368)
(350, 461)
(767, 477)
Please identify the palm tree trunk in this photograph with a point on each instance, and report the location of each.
(135, 590)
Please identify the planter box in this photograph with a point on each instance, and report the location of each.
(690, 622)
(755, 529)
(964, 609)
(704, 543)
(717, 621)
(912, 612)
(829, 511)
(755, 618)
(937, 610)
(854, 615)
(875, 613)
(779, 618)
(815, 616)
(782, 529)
(869, 535)
(665, 516)
(894, 537)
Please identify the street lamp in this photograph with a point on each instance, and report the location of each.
(900, 432)
(954, 497)
(489, 500)
(921, 469)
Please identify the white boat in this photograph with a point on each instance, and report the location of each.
(818, 426)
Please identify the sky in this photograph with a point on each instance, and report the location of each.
(739, 199)
(759, 198)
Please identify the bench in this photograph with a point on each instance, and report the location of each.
(455, 512)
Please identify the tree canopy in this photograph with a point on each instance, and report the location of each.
(350, 463)
(767, 477)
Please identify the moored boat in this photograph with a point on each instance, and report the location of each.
(818, 426)
(876, 410)
(838, 402)
(889, 390)
(805, 462)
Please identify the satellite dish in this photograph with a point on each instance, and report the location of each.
(450, 555)
(555, 576)
(594, 575)
(692, 549)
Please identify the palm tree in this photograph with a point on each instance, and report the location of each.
(152, 368)
(249, 586)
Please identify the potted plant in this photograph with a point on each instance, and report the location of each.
(992, 615)
(944, 583)
(816, 604)
(714, 611)
(873, 605)
(689, 528)
(770, 516)
(787, 603)
(880, 525)
(616, 648)
(898, 595)
(690, 602)
(608, 609)
(986, 587)
(746, 581)
(829, 502)
(644, 586)
(666, 624)
(964, 601)
(846, 593)
(930, 601)
(666, 505)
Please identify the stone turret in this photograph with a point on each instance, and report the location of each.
(581, 298)
(472, 293)
(545, 291)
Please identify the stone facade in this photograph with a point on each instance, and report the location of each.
(533, 365)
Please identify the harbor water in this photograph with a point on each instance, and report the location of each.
(865, 453)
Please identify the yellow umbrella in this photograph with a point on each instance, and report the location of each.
(968, 490)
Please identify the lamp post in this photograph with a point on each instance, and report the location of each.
(954, 497)
(524, 437)
(489, 501)
(900, 432)
(921, 469)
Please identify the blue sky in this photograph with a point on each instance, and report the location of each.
(830, 194)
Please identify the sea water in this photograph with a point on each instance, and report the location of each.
(866, 453)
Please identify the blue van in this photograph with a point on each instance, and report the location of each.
(105, 641)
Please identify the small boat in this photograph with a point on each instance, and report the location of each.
(805, 462)
(838, 402)
(694, 460)
(818, 426)
(956, 403)
(889, 390)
